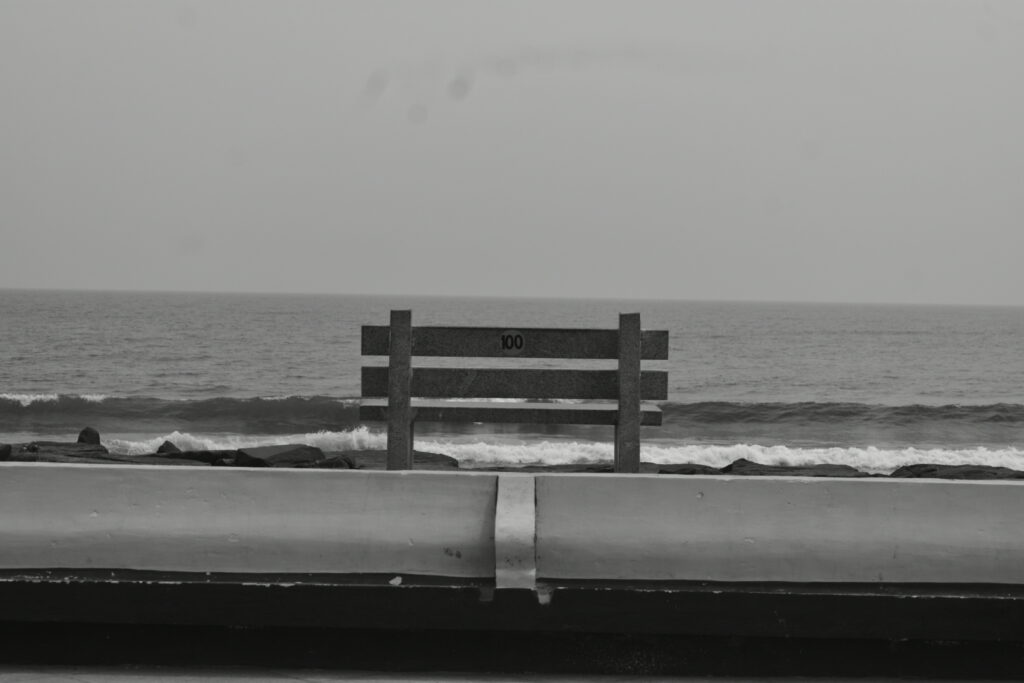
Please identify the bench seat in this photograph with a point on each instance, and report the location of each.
(426, 410)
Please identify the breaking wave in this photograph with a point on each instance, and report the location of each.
(812, 412)
(306, 408)
(26, 400)
(272, 414)
(477, 454)
(831, 432)
(360, 438)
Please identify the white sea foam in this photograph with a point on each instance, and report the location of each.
(356, 439)
(28, 399)
(485, 400)
(517, 453)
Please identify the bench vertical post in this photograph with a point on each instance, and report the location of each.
(627, 429)
(399, 388)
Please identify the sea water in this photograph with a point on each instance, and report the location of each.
(872, 386)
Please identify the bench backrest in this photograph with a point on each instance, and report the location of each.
(627, 384)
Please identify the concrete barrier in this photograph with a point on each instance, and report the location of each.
(246, 520)
(761, 529)
(551, 527)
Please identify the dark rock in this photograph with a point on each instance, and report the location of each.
(597, 468)
(28, 456)
(168, 447)
(5, 451)
(339, 461)
(688, 468)
(290, 455)
(755, 469)
(61, 448)
(205, 457)
(422, 460)
(49, 451)
(242, 460)
(592, 468)
(930, 471)
(89, 435)
(157, 460)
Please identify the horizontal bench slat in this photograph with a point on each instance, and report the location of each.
(536, 413)
(515, 383)
(521, 342)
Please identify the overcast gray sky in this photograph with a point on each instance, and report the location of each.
(820, 150)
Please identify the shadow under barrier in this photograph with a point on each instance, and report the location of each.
(179, 648)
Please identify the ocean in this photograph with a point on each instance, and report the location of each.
(872, 386)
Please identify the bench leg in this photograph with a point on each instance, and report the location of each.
(400, 417)
(627, 448)
(627, 428)
(400, 448)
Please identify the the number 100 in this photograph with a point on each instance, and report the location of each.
(511, 342)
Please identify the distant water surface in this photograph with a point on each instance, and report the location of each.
(812, 380)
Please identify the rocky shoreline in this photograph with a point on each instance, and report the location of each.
(88, 449)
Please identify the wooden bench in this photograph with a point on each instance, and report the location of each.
(388, 392)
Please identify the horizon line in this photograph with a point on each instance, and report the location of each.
(394, 295)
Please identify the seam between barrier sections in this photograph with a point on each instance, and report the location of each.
(515, 533)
